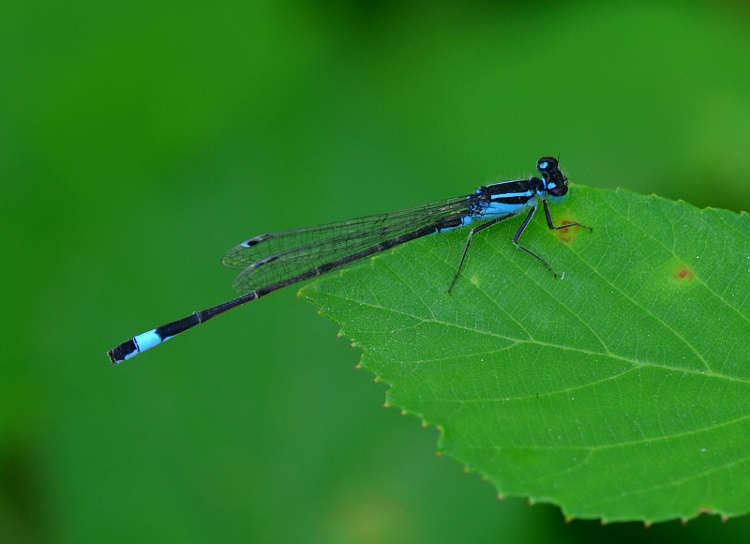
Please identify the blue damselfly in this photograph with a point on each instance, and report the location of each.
(270, 262)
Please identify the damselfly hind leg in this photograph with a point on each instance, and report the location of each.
(472, 232)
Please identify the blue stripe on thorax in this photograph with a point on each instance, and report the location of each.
(499, 207)
(498, 200)
(508, 197)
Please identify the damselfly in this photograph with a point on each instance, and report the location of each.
(272, 261)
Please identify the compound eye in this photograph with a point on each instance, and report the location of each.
(545, 165)
(558, 191)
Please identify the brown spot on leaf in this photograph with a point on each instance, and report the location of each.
(566, 234)
(683, 274)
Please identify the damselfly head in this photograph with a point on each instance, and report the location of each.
(555, 181)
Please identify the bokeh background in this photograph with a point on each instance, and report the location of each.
(140, 140)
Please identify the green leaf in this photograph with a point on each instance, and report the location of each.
(620, 391)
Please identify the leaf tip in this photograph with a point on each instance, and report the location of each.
(647, 524)
(500, 497)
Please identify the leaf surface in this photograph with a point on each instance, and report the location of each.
(620, 391)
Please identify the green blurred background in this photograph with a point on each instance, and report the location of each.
(141, 140)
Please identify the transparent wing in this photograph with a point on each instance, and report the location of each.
(275, 257)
